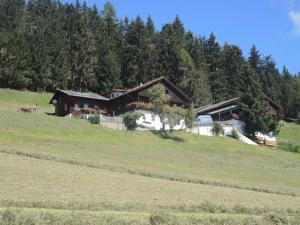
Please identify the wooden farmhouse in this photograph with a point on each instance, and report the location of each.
(230, 114)
(71, 102)
(231, 109)
(138, 97)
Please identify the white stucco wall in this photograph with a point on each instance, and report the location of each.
(152, 121)
(236, 124)
(201, 130)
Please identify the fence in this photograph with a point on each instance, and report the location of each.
(111, 119)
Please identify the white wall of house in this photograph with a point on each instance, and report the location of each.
(152, 121)
(238, 125)
(228, 126)
(201, 130)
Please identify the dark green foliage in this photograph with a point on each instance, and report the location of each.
(46, 45)
(298, 118)
(288, 146)
(217, 129)
(130, 119)
(235, 135)
(254, 104)
(190, 116)
(94, 120)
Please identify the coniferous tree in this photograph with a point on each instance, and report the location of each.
(231, 62)
(216, 78)
(253, 102)
(108, 70)
(132, 57)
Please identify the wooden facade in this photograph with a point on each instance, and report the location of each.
(139, 96)
(67, 102)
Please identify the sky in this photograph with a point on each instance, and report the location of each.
(272, 25)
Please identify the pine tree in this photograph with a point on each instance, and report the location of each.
(253, 103)
(255, 60)
(150, 58)
(216, 78)
(289, 94)
(108, 69)
(132, 72)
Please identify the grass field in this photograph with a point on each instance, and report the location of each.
(291, 132)
(71, 172)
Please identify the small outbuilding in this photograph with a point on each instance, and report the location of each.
(72, 102)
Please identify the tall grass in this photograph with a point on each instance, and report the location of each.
(206, 207)
(12, 216)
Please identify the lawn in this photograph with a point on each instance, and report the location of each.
(50, 164)
(291, 132)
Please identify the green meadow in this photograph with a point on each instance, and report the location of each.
(68, 171)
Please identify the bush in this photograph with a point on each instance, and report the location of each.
(130, 118)
(94, 119)
(288, 146)
(217, 129)
(235, 134)
(298, 118)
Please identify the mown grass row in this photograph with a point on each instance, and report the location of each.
(15, 216)
(123, 169)
(205, 207)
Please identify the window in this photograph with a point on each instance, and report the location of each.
(86, 105)
(65, 107)
(76, 106)
(153, 117)
(96, 106)
(170, 93)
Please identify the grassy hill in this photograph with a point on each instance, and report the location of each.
(68, 171)
(291, 132)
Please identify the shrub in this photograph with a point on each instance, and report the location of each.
(288, 146)
(130, 118)
(94, 119)
(235, 134)
(298, 118)
(217, 129)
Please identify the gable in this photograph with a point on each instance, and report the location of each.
(175, 96)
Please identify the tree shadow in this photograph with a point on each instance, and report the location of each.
(167, 135)
(49, 114)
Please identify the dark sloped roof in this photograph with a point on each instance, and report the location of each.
(84, 95)
(115, 90)
(210, 107)
(80, 95)
(151, 83)
(214, 107)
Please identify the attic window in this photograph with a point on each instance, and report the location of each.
(170, 93)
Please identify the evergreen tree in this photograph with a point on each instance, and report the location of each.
(253, 102)
(254, 59)
(108, 69)
(216, 78)
(289, 94)
(132, 57)
(231, 62)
